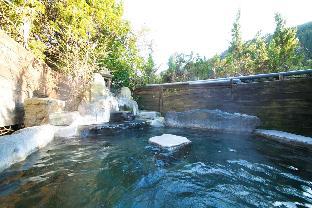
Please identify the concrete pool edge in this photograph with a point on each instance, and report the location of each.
(284, 136)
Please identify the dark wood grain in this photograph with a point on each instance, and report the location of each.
(283, 104)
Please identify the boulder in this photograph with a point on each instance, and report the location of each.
(212, 119)
(157, 122)
(148, 115)
(63, 118)
(99, 110)
(98, 88)
(121, 116)
(17, 146)
(125, 92)
(169, 141)
(110, 128)
(37, 110)
(126, 104)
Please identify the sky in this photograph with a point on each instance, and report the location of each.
(204, 26)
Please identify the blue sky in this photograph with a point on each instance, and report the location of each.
(204, 26)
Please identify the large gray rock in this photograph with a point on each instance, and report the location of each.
(37, 110)
(98, 87)
(212, 119)
(63, 118)
(148, 115)
(125, 92)
(126, 104)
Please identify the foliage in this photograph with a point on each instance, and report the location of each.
(263, 54)
(76, 37)
(304, 34)
(283, 49)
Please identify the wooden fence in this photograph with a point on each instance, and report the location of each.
(280, 101)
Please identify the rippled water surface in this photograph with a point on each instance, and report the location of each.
(123, 170)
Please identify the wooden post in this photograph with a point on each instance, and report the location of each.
(161, 99)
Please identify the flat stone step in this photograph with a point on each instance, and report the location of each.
(284, 136)
(169, 141)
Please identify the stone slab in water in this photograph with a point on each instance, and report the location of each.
(169, 141)
(284, 136)
(110, 128)
(212, 119)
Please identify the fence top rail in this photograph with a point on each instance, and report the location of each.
(235, 80)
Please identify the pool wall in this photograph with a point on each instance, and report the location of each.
(284, 104)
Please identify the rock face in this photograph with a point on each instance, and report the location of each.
(101, 103)
(125, 92)
(284, 136)
(63, 118)
(169, 141)
(121, 116)
(98, 88)
(212, 119)
(148, 114)
(126, 104)
(153, 117)
(158, 122)
(110, 128)
(37, 110)
(16, 147)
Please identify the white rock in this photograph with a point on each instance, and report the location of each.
(98, 87)
(63, 118)
(169, 141)
(66, 131)
(17, 146)
(148, 114)
(99, 110)
(158, 122)
(284, 136)
(125, 92)
(126, 104)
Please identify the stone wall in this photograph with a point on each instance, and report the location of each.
(23, 76)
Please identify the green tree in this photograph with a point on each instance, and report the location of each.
(284, 50)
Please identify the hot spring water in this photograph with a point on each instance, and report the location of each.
(124, 170)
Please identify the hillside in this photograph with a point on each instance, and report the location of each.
(304, 34)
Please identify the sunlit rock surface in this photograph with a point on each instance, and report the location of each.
(158, 122)
(153, 117)
(101, 103)
(125, 92)
(169, 141)
(284, 136)
(126, 104)
(212, 119)
(63, 118)
(98, 87)
(37, 110)
(16, 147)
